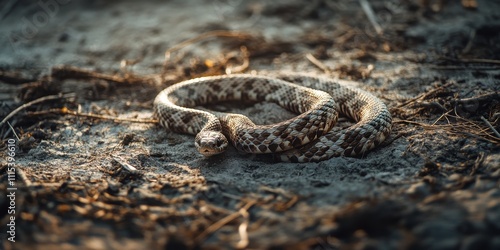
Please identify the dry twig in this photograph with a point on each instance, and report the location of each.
(472, 60)
(490, 126)
(317, 63)
(467, 48)
(65, 111)
(424, 95)
(466, 127)
(13, 131)
(371, 16)
(219, 224)
(39, 100)
(215, 33)
(69, 72)
(243, 66)
(23, 177)
(477, 99)
(125, 165)
(242, 229)
(477, 163)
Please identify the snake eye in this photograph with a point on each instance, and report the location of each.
(219, 143)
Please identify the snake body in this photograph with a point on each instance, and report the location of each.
(307, 137)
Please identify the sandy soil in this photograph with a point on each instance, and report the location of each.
(88, 183)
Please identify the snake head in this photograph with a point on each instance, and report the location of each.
(210, 143)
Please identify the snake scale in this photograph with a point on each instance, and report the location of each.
(307, 137)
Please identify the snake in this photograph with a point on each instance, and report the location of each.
(308, 137)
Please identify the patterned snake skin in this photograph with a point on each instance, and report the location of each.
(307, 137)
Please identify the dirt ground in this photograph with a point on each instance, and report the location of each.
(88, 181)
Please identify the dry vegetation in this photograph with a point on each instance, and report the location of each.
(445, 102)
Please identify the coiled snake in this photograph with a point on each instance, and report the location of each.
(307, 137)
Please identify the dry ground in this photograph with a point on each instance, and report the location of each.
(87, 181)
